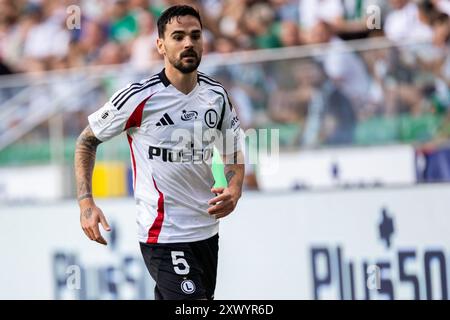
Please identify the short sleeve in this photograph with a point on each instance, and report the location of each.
(107, 122)
(122, 111)
(230, 128)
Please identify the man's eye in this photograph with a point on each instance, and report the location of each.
(195, 37)
(178, 38)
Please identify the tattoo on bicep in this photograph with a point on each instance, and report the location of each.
(87, 213)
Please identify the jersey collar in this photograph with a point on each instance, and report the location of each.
(165, 80)
(163, 77)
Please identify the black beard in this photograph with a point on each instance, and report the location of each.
(187, 68)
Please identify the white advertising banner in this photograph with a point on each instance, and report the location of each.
(374, 244)
(339, 167)
(368, 244)
(24, 183)
(46, 255)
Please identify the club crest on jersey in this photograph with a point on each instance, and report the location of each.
(189, 115)
(188, 286)
(211, 118)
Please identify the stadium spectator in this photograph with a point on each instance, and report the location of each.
(314, 11)
(143, 49)
(93, 37)
(358, 15)
(111, 53)
(231, 24)
(47, 39)
(13, 30)
(124, 26)
(290, 34)
(288, 104)
(286, 10)
(259, 20)
(325, 115)
(442, 5)
(344, 67)
(404, 22)
(377, 63)
(225, 45)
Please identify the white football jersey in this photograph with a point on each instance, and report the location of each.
(172, 175)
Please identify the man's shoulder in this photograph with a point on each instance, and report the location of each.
(151, 81)
(137, 91)
(210, 82)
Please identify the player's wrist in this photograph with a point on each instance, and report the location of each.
(86, 200)
(83, 196)
(235, 191)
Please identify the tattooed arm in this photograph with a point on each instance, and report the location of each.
(90, 214)
(228, 197)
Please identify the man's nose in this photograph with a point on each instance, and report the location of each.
(188, 43)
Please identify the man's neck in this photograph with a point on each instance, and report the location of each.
(184, 82)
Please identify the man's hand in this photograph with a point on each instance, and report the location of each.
(90, 217)
(90, 214)
(224, 203)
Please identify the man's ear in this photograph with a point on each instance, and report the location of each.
(160, 46)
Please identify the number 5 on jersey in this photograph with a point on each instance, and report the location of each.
(176, 261)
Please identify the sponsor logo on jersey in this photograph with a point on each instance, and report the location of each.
(165, 121)
(180, 156)
(189, 115)
(105, 118)
(235, 124)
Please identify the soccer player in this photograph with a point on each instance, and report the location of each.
(178, 208)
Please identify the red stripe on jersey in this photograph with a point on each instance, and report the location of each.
(135, 119)
(130, 142)
(155, 229)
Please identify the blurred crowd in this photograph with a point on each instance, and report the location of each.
(46, 34)
(336, 93)
(324, 97)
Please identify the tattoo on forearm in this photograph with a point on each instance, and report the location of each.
(85, 151)
(229, 175)
(87, 213)
(85, 196)
(234, 174)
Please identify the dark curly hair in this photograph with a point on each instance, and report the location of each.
(173, 12)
